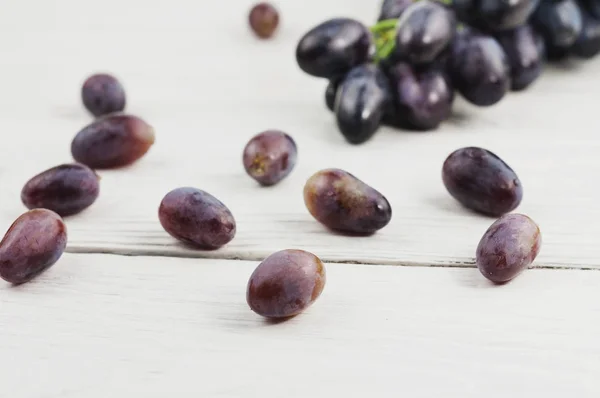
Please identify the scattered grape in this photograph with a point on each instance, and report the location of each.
(392, 9)
(342, 202)
(525, 50)
(285, 284)
(270, 156)
(508, 247)
(102, 94)
(66, 189)
(479, 68)
(422, 98)
(424, 30)
(197, 218)
(32, 244)
(481, 181)
(112, 141)
(362, 99)
(334, 47)
(495, 15)
(264, 20)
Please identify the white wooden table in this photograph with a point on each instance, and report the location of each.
(128, 312)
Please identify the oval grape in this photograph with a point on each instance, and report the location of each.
(103, 94)
(270, 156)
(263, 20)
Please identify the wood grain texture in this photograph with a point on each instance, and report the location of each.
(182, 63)
(112, 326)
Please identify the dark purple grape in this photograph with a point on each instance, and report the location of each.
(525, 50)
(559, 22)
(263, 20)
(270, 156)
(32, 244)
(342, 202)
(392, 9)
(422, 98)
(587, 44)
(103, 94)
(112, 141)
(592, 7)
(362, 99)
(197, 218)
(508, 247)
(424, 30)
(330, 93)
(481, 181)
(494, 15)
(479, 68)
(334, 47)
(285, 284)
(66, 189)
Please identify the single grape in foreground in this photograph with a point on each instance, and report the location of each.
(264, 20)
(508, 247)
(332, 48)
(270, 156)
(197, 218)
(112, 141)
(342, 202)
(285, 284)
(481, 181)
(103, 94)
(32, 244)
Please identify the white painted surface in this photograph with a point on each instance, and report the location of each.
(112, 326)
(103, 326)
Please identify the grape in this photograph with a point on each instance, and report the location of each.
(334, 47)
(197, 218)
(342, 202)
(285, 284)
(508, 247)
(32, 244)
(103, 94)
(66, 189)
(263, 20)
(270, 156)
(392, 9)
(560, 24)
(592, 7)
(423, 98)
(481, 181)
(112, 141)
(525, 50)
(587, 44)
(479, 68)
(362, 99)
(494, 15)
(330, 93)
(423, 31)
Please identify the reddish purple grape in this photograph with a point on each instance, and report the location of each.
(66, 189)
(264, 20)
(32, 244)
(270, 156)
(197, 218)
(508, 247)
(285, 284)
(342, 202)
(103, 94)
(481, 181)
(112, 141)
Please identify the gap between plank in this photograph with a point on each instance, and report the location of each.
(258, 257)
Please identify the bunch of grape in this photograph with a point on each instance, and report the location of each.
(403, 71)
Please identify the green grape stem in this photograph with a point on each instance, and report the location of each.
(384, 33)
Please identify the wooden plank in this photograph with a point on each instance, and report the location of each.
(101, 325)
(180, 62)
